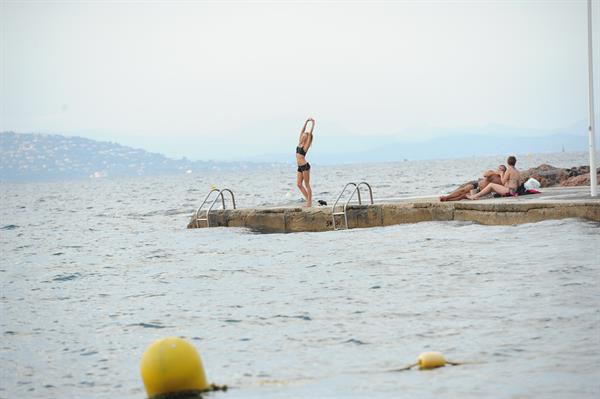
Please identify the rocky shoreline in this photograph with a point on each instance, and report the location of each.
(550, 176)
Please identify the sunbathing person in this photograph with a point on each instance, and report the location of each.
(510, 182)
(491, 176)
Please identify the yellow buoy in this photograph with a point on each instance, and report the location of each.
(172, 365)
(431, 360)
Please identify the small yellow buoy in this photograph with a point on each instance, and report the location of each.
(431, 360)
(172, 365)
(428, 361)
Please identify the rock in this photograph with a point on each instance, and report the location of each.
(549, 175)
(578, 180)
(545, 168)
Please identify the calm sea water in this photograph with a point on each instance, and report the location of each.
(94, 271)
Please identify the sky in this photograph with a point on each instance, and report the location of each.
(226, 79)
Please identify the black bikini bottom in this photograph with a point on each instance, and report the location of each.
(304, 168)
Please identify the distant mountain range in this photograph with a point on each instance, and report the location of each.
(39, 157)
(462, 146)
(440, 144)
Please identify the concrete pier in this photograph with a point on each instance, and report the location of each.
(553, 203)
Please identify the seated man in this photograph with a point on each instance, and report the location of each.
(491, 176)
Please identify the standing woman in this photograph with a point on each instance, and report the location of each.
(306, 138)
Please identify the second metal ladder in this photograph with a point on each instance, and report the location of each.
(344, 209)
(219, 194)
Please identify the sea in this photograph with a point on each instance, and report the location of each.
(93, 271)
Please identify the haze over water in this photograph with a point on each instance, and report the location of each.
(94, 271)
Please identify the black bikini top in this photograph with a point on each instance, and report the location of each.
(300, 150)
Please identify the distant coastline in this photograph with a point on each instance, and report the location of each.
(53, 157)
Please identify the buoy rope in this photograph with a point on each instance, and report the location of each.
(191, 394)
(215, 387)
(410, 366)
(405, 368)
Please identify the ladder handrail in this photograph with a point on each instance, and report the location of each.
(232, 197)
(342, 193)
(356, 190)
(345, 207)
(219, 194)
(204, 202)
(370, 190)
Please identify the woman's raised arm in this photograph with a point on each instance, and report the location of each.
(303, 130)
(312, 127)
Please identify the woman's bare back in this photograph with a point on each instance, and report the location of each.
(514, 178)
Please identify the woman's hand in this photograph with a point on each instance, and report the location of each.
(304, 129)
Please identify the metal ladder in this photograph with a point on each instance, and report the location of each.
(344, 209)
(219, 194)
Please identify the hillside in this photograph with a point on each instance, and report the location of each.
(39, 157)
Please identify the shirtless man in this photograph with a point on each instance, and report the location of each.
(510, 182)
(491, 176)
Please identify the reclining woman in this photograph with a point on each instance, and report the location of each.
(490, 176)
(303, 175)
(511, 179)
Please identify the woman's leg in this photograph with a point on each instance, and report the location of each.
(300, 186)
(306, 176)
(497, 188)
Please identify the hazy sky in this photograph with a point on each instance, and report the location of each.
(207, 79)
